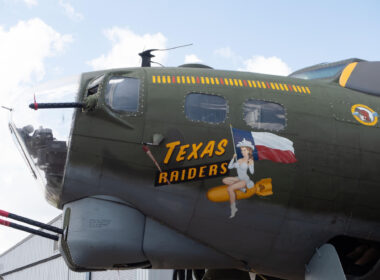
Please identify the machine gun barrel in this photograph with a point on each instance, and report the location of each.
(30, 230)
(57, 105)
(30, 222)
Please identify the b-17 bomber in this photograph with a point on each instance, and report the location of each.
(220, 172)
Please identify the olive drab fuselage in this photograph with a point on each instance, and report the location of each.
(332, 188)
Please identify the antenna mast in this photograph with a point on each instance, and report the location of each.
(147, 55)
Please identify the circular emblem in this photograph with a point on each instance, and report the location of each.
(364, 114)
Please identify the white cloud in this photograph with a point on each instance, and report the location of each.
(225, 52)
(192, 58)
(271, 65)
(126, 45)
(23, 49)
(69, 10)
(31, 2)
(259, 64)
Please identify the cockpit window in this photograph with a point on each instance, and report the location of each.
(264, 115)
(122, 94)
(322, 73)
(206, 108)
(93, 86)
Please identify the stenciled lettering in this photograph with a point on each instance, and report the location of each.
(197, 151)
(171, 146)
(194, 152)
(209, 149)
(191, 173)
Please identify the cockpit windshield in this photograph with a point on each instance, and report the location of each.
(320, 71)
(42, 135)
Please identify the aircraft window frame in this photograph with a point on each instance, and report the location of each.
(327, 72)
(263, 127)
(93, 85)
(188, 117)
(140, 87)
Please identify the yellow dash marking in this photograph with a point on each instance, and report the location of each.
(286, 87)
(183, 80)
(259, 84)
(240, 83)
(295, 88)
(202, 80)
(303, 89)
(192, 79)
(217, 81)
(307, 89)
(264, 86)
(235, 82)
(276, 85)
(159, 79)
(154, 79)
(164, 79)
(169, 80)
(249, 83)
(178, 79)
(212, 80)
(207, 80)
(253, 83)
(188, 79)
(272, 85)
(226, 81)
(299, 89)
(231, 82)
(281, 87)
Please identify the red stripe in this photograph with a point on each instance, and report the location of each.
(275, 154)
(5, 223)
(290, 87)
(198, 80)
(245, 83)
(4, 213)
(173, 80)
(268, 85)
(221, 81)
(35, 103)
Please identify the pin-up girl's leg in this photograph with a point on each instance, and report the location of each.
(234, 187)
(230, 180)
(231, 192)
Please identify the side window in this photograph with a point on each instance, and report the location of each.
(205, 108)
(264, 115)
(122, 94)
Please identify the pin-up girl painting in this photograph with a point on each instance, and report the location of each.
(242, 181)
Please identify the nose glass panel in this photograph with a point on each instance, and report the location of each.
(42, 136)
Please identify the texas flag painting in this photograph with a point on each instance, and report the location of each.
(268, 146)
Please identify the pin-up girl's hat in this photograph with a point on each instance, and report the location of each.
(245, 143)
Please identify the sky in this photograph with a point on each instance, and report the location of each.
(56, 40)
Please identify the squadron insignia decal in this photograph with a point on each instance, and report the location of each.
(251, 147)
(364, 114)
